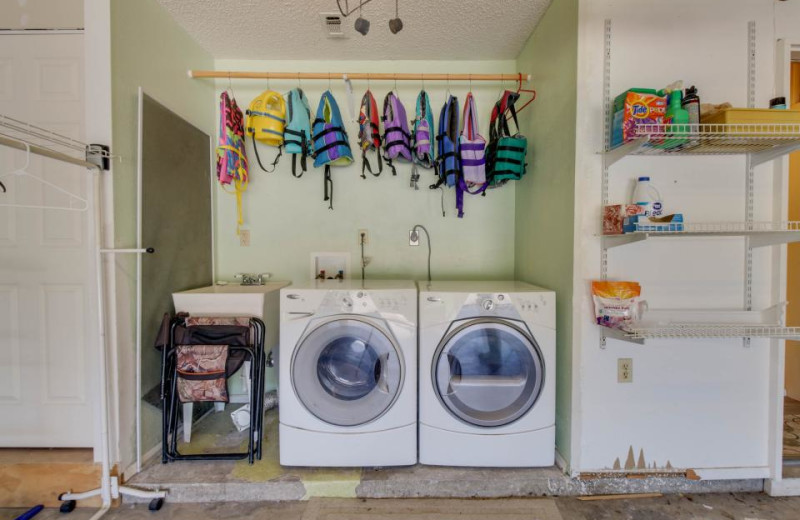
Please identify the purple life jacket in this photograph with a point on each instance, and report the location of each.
(396, 137)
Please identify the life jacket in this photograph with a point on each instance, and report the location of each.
(447, 163)
(505, 153)
(422, 137)
(472, 158)
(297, 133)
(396, 137)
(231, 156)
(369, 133)
(331, 145)
(266, 118)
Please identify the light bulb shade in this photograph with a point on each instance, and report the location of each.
(395, 25)
(362, 25)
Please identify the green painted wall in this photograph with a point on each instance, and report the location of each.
(288, 219)
(150, 50)
(545, 199)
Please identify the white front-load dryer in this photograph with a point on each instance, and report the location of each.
(486, 374)
(348, 374)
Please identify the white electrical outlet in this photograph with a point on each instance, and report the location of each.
(413, 238)
(624, 370)
(366, 237)
(244, 237)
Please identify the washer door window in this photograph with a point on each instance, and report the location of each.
(347, 372)
(488, 372)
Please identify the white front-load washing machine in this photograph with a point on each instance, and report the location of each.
(486, 374)
(348, 373)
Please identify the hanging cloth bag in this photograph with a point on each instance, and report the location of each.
(297, 133)
(331, 144)
(231, 157)
(447, 144)
(396, 137)
(266, 118)
(422, 137)
(472, 147)
(506, 153)
(369, 133)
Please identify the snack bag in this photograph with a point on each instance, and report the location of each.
(617, 304)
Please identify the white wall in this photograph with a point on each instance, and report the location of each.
(288, 219)
(696, 404)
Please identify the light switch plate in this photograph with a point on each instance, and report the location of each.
(625, 370)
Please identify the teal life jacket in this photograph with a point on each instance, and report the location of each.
(506, 153)
(297, 133)
(422, 137)
(331, 145)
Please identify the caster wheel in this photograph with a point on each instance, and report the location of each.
(67, 506)
(156, 504)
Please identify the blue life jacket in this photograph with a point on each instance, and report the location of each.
(331, 145)
(447, 152)
(297, 133)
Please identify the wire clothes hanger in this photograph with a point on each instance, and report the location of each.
(23, 172)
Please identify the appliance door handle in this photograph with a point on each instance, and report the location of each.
(293, 296)
(301, 314)
(382, 367)
(434, 299)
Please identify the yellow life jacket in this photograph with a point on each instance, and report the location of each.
(266, 117)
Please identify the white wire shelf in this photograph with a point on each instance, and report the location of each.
(707, 324)
(760, 233)
(763, 142)
(48, 140)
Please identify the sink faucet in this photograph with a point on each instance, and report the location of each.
(252, 279)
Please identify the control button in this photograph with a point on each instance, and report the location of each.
(487, 305)
(501, 297)
(360, 294)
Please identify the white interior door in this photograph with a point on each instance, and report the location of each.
(47, 295)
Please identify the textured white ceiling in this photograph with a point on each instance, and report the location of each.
(433, 29)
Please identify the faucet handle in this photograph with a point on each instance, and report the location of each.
(262, 277)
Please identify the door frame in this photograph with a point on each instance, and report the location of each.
(776, 485)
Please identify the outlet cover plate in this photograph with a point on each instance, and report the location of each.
(625, 370)
(411, 240)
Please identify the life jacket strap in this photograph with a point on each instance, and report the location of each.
(258, 158)
(329, 146)
(328, 180)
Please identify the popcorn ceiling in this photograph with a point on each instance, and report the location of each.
(282, 29)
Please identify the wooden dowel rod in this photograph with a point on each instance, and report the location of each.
(356, 75)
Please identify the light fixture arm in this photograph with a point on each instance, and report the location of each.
(345, 11)
(415, 232)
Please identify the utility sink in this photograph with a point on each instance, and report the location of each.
(231, 300)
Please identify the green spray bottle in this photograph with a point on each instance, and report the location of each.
(678, 118)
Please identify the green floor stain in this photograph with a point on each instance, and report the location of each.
(217, 434)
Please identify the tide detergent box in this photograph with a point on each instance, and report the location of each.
(634, 107)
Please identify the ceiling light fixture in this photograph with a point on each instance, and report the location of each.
(396, 24)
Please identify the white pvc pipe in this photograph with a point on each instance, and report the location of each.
(139, 285)
(105, 478)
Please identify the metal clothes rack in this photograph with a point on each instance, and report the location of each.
(96, 159)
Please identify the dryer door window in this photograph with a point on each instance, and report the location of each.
(488, 372)
(347, 372)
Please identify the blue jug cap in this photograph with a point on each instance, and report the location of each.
(644, 178)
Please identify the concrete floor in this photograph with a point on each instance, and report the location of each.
(727, 506)
(224, 481)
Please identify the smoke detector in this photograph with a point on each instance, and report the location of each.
(332, 25)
